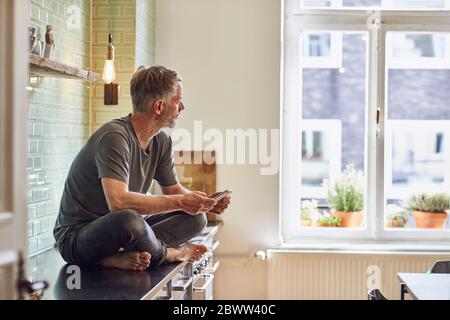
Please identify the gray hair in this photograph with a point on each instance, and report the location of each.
(150, 83)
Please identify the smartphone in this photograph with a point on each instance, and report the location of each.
(222, 195)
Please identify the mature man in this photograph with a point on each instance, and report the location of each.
(106, 216)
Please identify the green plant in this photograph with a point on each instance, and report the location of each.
(436, 203)
(400, 217)
(346, 193)
(396, 213)
(309, 208)
(328, 220)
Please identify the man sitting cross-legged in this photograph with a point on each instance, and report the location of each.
(106, 216)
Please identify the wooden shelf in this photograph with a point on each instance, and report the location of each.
(49, 68)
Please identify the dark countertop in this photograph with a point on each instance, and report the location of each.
(99, 283)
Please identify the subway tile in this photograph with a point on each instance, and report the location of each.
(37, 227)
(31, 212)
(34, 12)
(37, 163)
(32, 245)
(41, 241)
(32, 146)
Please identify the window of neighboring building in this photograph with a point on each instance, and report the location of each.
(418, 50)
(322, 50)
(416, 157)
(321, 154)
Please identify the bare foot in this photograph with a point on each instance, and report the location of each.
(191, 252)
(128, 261)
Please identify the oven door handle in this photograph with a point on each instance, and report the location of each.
(206, 284)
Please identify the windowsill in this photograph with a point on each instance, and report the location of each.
(388, 248)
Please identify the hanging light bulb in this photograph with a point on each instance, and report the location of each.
(109, 75)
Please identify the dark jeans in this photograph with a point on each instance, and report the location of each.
(129, 230)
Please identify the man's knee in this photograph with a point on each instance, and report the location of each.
(199, 222)
(130, 222)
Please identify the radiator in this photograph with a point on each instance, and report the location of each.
(337, 276)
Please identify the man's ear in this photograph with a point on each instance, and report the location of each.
(158, 106)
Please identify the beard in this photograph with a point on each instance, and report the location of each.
(169, 121)
(172, 124)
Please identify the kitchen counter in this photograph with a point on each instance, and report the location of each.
(99, 283)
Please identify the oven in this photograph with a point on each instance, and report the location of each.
(203, 274)
(196, 280)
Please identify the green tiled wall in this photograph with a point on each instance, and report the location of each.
(59, 112)
(58, 120)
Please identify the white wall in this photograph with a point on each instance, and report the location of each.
(228, 53)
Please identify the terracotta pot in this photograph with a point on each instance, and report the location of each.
(395, 224)
(349, 219)
(429, 219)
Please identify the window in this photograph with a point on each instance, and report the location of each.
(418, 50)
(321, 155)
(330, 125)
(322, 50)
(416, 157)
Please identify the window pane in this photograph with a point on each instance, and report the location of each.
(417, 142)
(406, 45)
(333, 131)
(317, 45)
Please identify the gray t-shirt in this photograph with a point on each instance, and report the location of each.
(113, 151)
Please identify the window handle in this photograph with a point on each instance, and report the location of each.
(378, 122)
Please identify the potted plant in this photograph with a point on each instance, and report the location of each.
(397, 216)
(308, 211)
(429, 211)
(346, 196)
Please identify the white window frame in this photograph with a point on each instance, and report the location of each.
(332, 129)
(294, 24)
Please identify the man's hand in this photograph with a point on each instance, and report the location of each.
(196, 202)
(220, 207)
